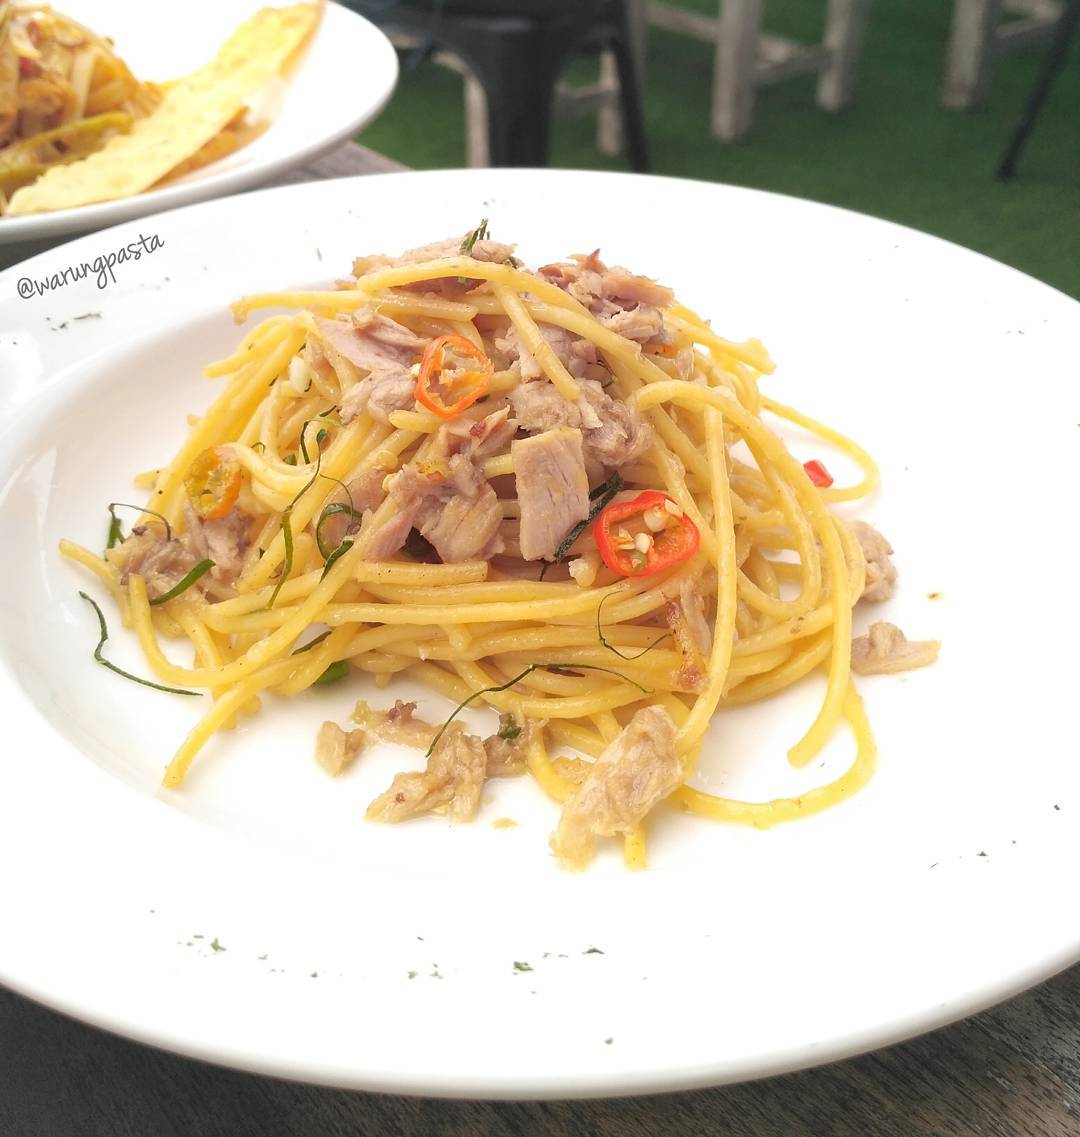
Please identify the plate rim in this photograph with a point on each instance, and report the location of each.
(596, 1086)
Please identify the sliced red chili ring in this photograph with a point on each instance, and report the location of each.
(448, 393)
(676, 542)
(817, 473)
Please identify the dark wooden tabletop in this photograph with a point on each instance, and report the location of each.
(1011, 1072)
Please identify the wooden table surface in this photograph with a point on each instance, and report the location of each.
(1011, 1072)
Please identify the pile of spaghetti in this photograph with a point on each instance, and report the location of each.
(554, 493)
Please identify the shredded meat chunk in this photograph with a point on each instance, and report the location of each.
(361, 493)
(507, 750)
(493, 252)
(574, 352)
(484, 250)
(146, 553)
(390, 389)
(613, 432)
(450, 783)
(336, 749)
(628, 304)
(552, 489)
(223, 539)
(693, 637)
(638, 769)
(880, 571)
(452, 505)
(398, 724)
(885, 649)
(481, 439)
(164, 563)
(368, 343)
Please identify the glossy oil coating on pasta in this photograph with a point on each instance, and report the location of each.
(558, 493)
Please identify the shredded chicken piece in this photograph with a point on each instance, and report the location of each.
(146, 553)
(361, 493)
(450, 783)
(378, 394)
(628, 304)
(574, 352)
(223, 539)
(552, 489)
(692, 634)
(880, 571)
(508, 749)
(452, 505)
(885, 649)
(493, 252)
(638, 769)
(613, 432)
(336, 749)
(164, 563)
(398, 724)
(368, 343)
(643, 324)
(482, 439)
(484, 250)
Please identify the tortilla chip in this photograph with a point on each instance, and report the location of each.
(192, 111)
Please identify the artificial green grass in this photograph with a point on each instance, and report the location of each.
(896, 153)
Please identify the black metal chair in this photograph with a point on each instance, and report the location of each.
(516, 50)
(1052, 64)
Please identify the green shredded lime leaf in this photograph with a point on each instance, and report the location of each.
(480, 233)
(312, 643)
(104, 635)
(600, 497)
(509, 730)
(116, 532)
(337, 670)
(201, 569)
(612, 647)
(555, 668)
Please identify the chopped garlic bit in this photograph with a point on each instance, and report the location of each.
(643, 542)
(655, 519)
(300, 375)
(583, 569)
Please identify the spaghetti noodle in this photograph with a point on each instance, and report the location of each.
(354, 529)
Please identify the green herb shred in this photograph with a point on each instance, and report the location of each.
(201, 569)
(104, 635)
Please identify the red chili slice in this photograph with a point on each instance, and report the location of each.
(818, 474)
(434, 387)
(675, 543)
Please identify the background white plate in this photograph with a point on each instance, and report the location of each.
(945, 885)
(344, 78)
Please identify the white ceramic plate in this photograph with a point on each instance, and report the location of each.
(345, 77)
(944, 886)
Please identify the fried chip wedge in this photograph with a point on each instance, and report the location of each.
(193, 111)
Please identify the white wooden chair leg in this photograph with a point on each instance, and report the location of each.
(733, 74)
(476, 124)
(970, 55)
(845, 25)
(609, 133)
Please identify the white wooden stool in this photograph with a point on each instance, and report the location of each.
(746, 58)
(979, 34)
